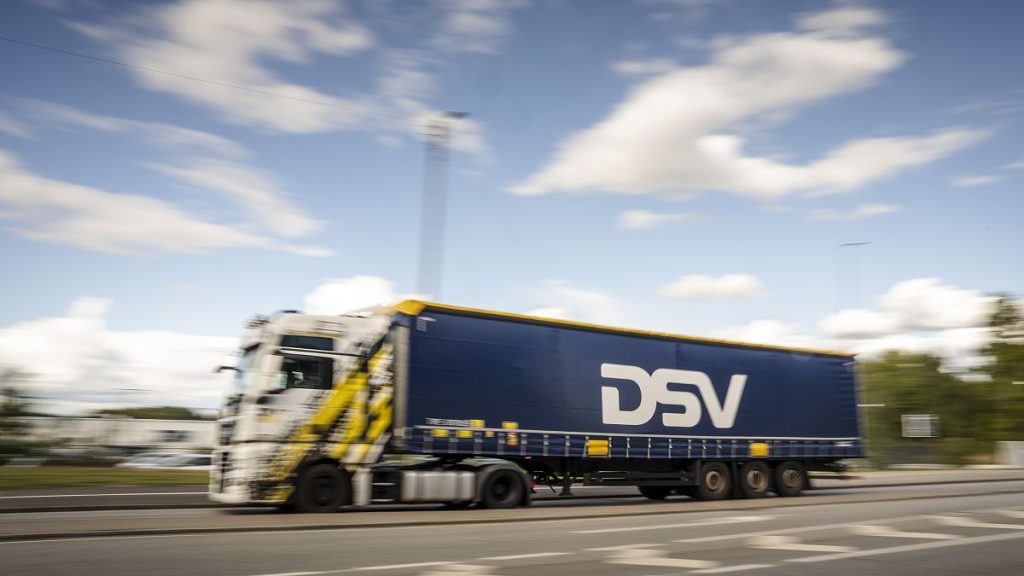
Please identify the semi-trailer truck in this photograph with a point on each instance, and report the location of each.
(425, 402)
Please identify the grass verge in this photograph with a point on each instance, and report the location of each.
(60, 476)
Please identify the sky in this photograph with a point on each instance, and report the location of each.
(843, 175)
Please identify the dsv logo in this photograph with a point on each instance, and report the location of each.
(654, 390)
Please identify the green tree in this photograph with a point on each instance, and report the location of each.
(915, 384)
(1005, 371)
(153, 413)
(14, 407)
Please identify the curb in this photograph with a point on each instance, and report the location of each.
(732, 506)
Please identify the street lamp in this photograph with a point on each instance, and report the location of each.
(856, 271)
(435, 191)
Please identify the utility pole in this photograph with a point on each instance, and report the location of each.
(434, 209)
(855, 268)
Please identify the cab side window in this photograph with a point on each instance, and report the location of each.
(308, 372)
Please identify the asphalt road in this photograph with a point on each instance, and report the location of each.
(938, 530)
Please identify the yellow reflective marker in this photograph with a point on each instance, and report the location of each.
(510, 425)
(597, 448)
(463, 433)
(758, 449)
(439, 432)
(477, 424)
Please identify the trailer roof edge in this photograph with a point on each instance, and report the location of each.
(416, 307)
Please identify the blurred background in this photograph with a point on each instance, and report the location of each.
(842, 175)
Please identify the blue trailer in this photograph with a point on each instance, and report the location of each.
(429, 402)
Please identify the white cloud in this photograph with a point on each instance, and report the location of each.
(12, 127)
(770, 332)
(58, 211)
(645, 220)
(698, 286)
(847, 20)
(928, 304)
(341, 295)
(475, 25)
(975, 181)
(566, 302)
(859, 213)
(77, 362)
(676, 134)
(1018, 165)
(254, 190)
(233, 42)
(859, 323)
(644, 67)
(160, 133)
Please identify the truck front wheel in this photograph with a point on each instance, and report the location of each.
(322, 488)
(715, 482)
(502, 489)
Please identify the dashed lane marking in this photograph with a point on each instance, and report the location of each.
(966, 522)
(794, 544)
(887, 532)
(714, 522)
(910, 548)
(524, 556)
(737, 568)
(620, 547)
(660, 558)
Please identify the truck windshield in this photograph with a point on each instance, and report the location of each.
(243, 372)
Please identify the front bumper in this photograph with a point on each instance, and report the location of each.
(236, 477)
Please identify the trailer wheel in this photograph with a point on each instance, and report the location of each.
(322, 488)
(790, 479)
(503, 488)
(754, 479)
(715, 482)
(655, 492)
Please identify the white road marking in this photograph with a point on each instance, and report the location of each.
(738, 568)
(794, 544)
(459, 570)
(910, 548)
(714, 522)
(965, 522)
(522, 556)
(888, 532)
(645, 557)
(293, 574)
(400, 566)
(735, 536)
(98, 495)
(620, 547)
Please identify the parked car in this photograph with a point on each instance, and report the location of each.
(146, 459)
(183, 462)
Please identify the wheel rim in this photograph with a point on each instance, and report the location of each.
(757, 480)
(714, 481)
(791, 477)
(324, 491)
(501, 489)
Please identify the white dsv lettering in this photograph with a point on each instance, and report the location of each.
(654, 390)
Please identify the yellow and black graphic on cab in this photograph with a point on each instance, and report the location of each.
(352, 424)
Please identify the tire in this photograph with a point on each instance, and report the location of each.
(790, 479)
(322, 488)
(754, 480)
(655, 492)
(502, 488)
(715, 482)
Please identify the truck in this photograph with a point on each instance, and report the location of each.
(426, 402)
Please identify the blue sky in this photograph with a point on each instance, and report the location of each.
(168, 169)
